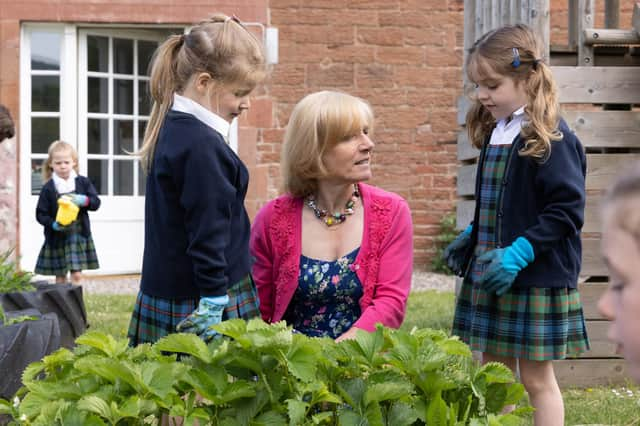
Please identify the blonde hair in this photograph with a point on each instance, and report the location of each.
(622, 201)
(317, 123)
(54, 148)
(493, 53)
(220, 46)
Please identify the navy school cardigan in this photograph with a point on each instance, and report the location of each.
(47, 207)
(544, 202)
(196, 227)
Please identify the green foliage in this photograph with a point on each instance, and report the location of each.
(446, 235)
(265, 374)
(11, 278)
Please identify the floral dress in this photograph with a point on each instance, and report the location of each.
(326, 302)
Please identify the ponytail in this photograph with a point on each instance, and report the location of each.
(161, 88)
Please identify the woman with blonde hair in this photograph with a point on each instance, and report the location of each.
(333, 254)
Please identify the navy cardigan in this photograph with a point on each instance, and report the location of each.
(544, 202)
(47, 207)
(196, 227)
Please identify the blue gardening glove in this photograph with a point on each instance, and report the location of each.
(209, 313)
(454, 253)
(80, 200)
(504, 265)
(57, 227)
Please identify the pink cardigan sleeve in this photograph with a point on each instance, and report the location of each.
(262, 270)
(394, 275)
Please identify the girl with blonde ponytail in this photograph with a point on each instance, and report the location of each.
(196, 265)
(521, 256)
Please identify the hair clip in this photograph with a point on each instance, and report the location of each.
(535, 63)
(516, 57)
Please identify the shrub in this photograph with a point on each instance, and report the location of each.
(446, 235)
(266, 374)
(11, 278)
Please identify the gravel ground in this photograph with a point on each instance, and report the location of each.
(128, 284)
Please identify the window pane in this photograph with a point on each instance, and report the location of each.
(142, 180)
(45, 50)
(97, 136)
(144, 98)
(123, 177)
(98, 95)
(98, 53)
(122, 136)
(142, 125)
(123, 96)
(45, 93)
(44, 130)
(36, 176)
(122, 56)
(98, 172)
(145, 53)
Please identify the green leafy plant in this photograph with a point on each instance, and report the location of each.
(11, 278)
(446, 235)
(261, 374)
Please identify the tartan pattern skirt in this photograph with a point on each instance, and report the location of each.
(537, 324)
(156, 317)
(69, 251)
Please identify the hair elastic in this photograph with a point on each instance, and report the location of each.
(516, 57)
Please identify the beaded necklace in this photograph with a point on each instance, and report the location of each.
(337, 217)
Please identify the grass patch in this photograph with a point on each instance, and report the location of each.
(109, 313)
(433, 309)
(430, 309)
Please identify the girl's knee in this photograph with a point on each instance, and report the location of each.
(537, 376)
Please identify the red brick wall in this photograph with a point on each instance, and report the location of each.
(404, 57)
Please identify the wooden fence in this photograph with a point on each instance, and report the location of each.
(598, 75)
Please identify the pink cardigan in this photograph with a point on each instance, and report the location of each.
(383, 265)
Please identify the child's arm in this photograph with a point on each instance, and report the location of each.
(90, 199)
(45, 215)
(204, 174)
(561, 182)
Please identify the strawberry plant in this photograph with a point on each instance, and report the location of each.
(261, 374)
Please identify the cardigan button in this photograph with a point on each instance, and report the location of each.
(504, 182)
(500, 214)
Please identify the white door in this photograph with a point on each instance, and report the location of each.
(89, 88)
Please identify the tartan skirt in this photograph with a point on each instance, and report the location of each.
(156, 317)
(537, 324)
(69, 251)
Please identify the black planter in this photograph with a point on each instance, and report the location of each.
(23, 343)
(64, 300)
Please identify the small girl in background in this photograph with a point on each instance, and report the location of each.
(196, 265)
(521, 256)
(621, 251)
(66, 248)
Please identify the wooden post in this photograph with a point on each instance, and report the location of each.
(585, 52)
(573, 24)
(539, 21)
(611, 13)
(635, 19)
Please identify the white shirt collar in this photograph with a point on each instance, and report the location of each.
(189, 106)
(64, 186)
(505, 133)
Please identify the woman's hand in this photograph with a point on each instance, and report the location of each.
(348, 335)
